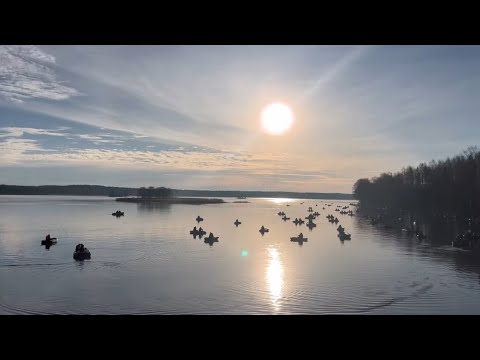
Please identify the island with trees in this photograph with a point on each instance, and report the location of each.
(167, 196)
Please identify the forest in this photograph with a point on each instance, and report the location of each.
(449, 186)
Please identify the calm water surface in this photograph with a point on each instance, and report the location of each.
(147, 262)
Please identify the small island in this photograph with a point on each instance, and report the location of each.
(163, 195)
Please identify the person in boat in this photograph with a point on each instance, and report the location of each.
(200, 229)
(195, 229)
(48, 238)
(300, 236)
(210, 235)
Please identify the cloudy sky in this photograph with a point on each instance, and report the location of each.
(189, 116)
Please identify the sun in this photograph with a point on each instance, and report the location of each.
(277, 118)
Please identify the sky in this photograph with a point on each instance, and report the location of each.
(188, 117)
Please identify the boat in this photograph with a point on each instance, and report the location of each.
(468, 239)
(421, 236)
(263, 230)
(82, 255)
(298, 238)
(210, 240)
(199, 219)
(237, 223)
(118, 213)
(344, 236)
(49, 242)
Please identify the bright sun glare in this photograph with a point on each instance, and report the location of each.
(277, 118)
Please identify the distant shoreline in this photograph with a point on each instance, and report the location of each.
(187, 201)
(117, 192)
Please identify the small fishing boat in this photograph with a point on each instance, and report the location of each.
(81, 254)
(210, 240)
(49, 242)
(263, 230)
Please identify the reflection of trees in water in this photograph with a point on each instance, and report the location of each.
(153, 207)
(437, 246)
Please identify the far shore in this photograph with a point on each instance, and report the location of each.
(175, 200)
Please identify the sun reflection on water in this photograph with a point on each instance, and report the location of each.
(274, 277)
(280, 201)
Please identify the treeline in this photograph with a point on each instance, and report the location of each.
(451, 185)
(98, 190)
(85, 190)
(153, 192)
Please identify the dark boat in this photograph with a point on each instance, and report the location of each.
(299, 239)
(263, 230)
(210, 240)
(82, 255)
(50, 242)
(344, 236)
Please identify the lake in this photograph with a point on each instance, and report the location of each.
(146, 262)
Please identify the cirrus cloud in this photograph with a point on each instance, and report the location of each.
(28, 72)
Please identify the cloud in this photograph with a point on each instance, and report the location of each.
(27, 152)
(18, 132)
(89, 137)
(28, 72)
(13, 151)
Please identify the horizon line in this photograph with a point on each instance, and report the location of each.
(126, 187)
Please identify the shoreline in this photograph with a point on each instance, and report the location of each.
(187, 201)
